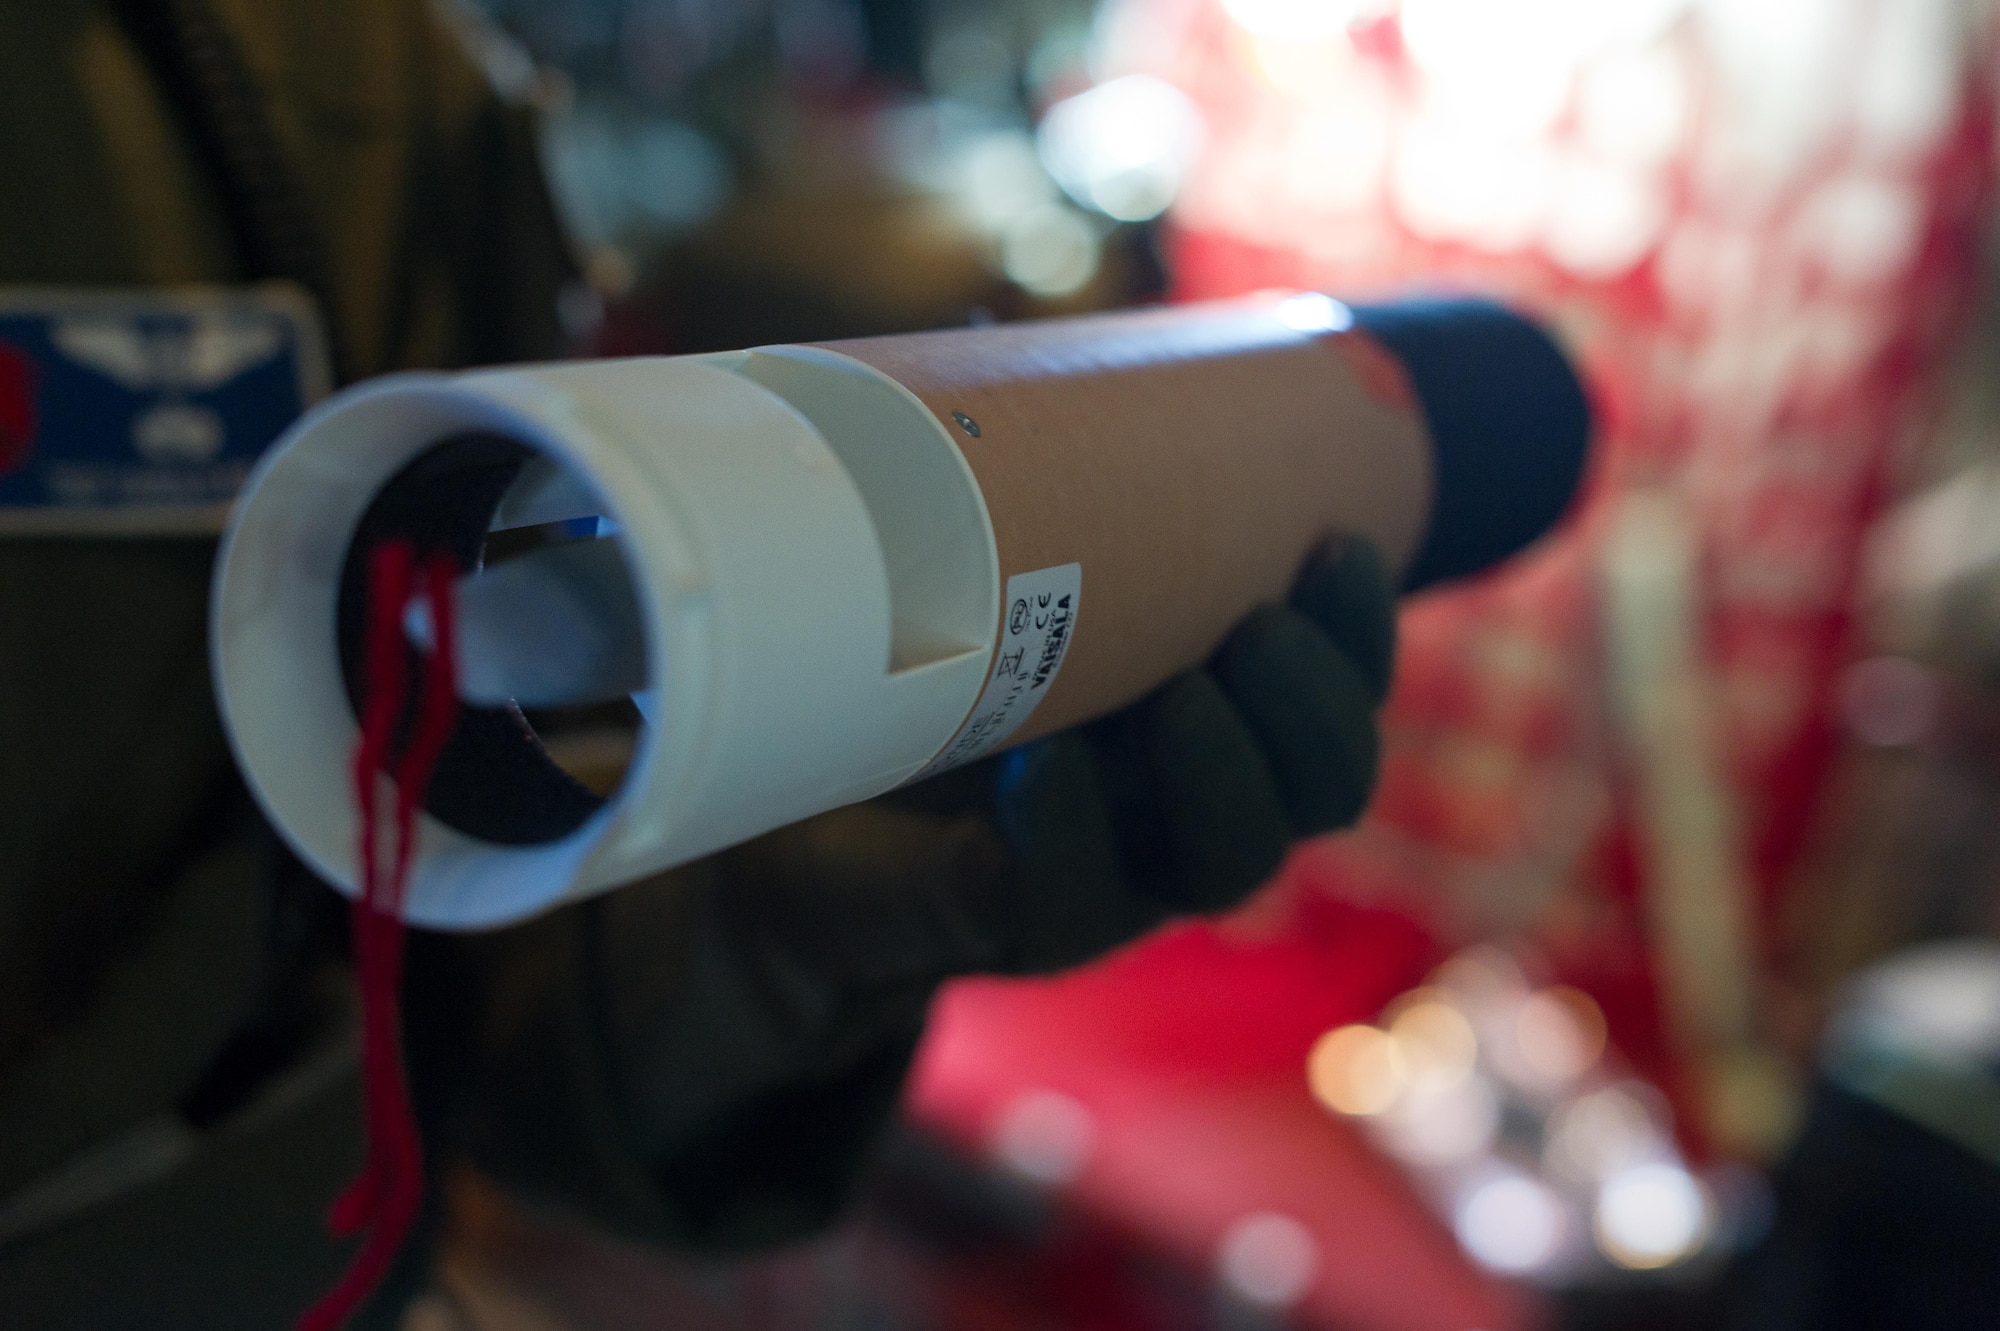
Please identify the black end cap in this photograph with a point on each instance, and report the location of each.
(1509, 426)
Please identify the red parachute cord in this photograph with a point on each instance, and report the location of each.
(385, 1197)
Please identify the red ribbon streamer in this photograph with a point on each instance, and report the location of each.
(385, 1197)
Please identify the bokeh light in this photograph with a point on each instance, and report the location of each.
(1123, 147)
(1483, 976)
(1596, 1135)
(1050, 250)
(998, 177)
(1434, 1125)
(1603, 220)
(1450, 186)
(1500, 70)
(1046, 1136)
(1650, 1216)
(1436, 1042)
(1356, 1070)
(1558, 1036)
(1633, 109)
(1268, 1259)
(1511, 1223)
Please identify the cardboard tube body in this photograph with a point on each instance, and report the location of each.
(1187, 458)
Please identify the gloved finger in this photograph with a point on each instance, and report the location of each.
(868, 895)
(1070, 897)
(1312, 712)
(1344, 588)
(1219, 813)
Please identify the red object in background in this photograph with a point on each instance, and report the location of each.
(1759, 237)
(18, 415)
(1183, 1058)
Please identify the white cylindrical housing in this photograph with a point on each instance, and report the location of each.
(797, 660)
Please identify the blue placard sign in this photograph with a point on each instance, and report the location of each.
(141, 412)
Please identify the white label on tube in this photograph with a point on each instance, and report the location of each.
(1039, 619)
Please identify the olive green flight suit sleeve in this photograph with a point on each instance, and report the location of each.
(134, 871)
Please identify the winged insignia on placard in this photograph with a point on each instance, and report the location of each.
(188, 353)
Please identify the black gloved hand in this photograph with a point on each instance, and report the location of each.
(703, 1058)
(1188, 800)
